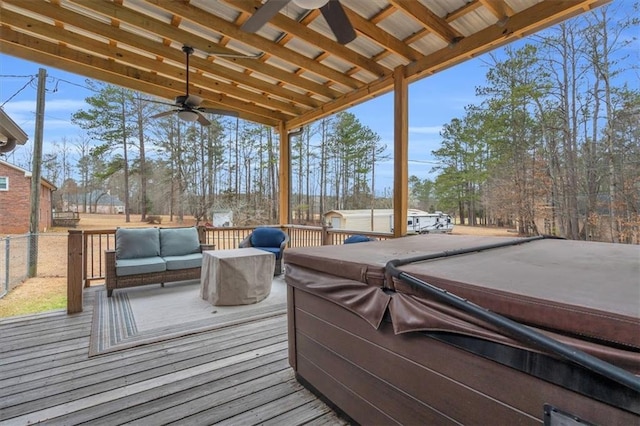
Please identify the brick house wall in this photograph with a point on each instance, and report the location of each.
(15, 208)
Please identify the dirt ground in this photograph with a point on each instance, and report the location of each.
(48, 291)
(111, 221)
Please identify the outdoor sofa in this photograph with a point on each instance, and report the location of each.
(145, 256)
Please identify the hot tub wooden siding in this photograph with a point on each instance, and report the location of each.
(375, 376)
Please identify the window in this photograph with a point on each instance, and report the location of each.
(4, 183)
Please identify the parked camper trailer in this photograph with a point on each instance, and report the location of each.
(420, 222)
(437, 222)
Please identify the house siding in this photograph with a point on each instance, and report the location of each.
(15, 209)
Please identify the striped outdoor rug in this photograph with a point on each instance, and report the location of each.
(150, 314)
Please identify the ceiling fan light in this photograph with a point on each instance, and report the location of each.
(310, 4)
(187, 115)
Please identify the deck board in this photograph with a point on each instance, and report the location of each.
(178, 395)
(234, 375)
(62, 370)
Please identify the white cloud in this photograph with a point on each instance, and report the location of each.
(57, 116)
(53, 105)
(426, 130)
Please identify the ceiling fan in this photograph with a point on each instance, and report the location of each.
(189, 105)
(332, 11)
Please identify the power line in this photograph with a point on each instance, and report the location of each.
(60, 80)
(77, 85)
(16, 76)
(437, 163)
(32, 78)
(20, 90)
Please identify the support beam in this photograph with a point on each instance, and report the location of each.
(75, 262)
(284, 176)
(400, 152)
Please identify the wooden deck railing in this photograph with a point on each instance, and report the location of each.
(86, 250)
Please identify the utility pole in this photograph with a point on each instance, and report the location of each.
(36, 175)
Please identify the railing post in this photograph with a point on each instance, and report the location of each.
(85, 259)
(202, 234)
(74, 272)
(326, 237)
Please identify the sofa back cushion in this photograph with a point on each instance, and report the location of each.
(179, 241)
(267, 237)
(135, 243)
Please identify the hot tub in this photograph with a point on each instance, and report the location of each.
(382, 350)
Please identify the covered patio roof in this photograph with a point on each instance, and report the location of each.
(291, 71)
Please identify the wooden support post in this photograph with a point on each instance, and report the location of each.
(400, 152)
(74, 272)
(326, 236)
(284, 176)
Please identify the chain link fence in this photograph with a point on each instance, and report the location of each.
(24, 256)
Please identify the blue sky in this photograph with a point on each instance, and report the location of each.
(433, 102)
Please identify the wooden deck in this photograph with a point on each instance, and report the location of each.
(237, 375)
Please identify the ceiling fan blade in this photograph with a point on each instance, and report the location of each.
(163, 114)
(337, 19)
(261, 16)
(202, 119)
(192, 101)
(219, 112)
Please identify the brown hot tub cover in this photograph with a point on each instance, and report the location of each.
(586, 295)
(575, 288)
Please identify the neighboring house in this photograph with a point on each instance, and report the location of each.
(15, 185)
(95, 202)
(11, 134)
(15, 200)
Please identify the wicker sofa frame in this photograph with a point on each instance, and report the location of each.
(113, 281)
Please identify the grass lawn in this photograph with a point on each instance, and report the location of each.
(40, 294)
(48, 291)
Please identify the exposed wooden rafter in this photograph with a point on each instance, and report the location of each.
(302, 74)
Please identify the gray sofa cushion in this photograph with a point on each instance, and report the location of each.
(136, 243)
(186, 261)
(179, 241)
(144, 265)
